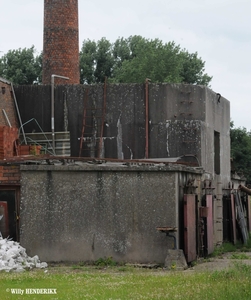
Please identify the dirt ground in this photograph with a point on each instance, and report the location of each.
(224, 262)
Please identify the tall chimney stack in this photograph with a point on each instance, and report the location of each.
(61, 41)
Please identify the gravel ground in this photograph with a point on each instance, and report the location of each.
(225, 262)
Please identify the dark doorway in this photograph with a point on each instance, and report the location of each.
(9, 214)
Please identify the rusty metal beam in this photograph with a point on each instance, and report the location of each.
(244, 189)
(147, 117)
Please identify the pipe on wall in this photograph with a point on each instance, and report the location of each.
(53, 108)
(147, 116)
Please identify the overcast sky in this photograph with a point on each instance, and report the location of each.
(219, 30)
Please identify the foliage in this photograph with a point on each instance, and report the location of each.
(136, 58)
(21, 66)
(134, 283)
(104, 262)
(239, 256)
(126, 60)
(229, 247)
(241, 150)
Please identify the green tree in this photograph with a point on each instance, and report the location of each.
(88, 61)
(134, 59)
(151, 59)
(241, 150)
(193, 69)
(21, 66)
(104, 60)
(96, 61)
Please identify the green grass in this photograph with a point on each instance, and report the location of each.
(229, 247)
(88, 282)
(240, 255)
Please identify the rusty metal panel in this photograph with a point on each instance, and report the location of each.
(4, 220)
(249, 212)
(190, 227)
(210, 225)
(233, 218)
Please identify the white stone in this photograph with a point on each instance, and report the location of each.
(13, 257)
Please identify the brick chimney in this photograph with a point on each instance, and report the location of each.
(61, 41)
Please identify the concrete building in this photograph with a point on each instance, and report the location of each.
(126, 170)
(154, 162)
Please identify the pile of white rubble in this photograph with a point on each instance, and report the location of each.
(13, 257)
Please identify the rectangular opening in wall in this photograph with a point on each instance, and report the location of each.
(217, 152)
(9, 215)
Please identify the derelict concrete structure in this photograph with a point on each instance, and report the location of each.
(185, 121)
(107, 210)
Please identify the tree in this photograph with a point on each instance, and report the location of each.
(104, 60)
(134, 59)
(241, 150)
(96, 61)
(151, 59)
(87, 61)
(193, 69)
(21, 66)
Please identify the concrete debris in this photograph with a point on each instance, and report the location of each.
(13, 257)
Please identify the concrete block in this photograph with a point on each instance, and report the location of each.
(175, 260)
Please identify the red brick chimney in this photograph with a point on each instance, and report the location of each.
(61, 41)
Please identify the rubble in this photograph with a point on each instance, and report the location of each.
(13, 257)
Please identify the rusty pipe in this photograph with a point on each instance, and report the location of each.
(244, 189)
(53, 109)
(147, 117)
(103, 118)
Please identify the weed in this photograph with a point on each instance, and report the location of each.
(239, 256)
(76, 267)
(194, 263)
(229, 247)
(104, 262)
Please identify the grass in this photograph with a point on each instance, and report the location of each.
(91, 282)
(229, 247)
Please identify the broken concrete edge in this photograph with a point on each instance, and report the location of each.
(83, 166)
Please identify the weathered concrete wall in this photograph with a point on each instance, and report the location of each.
(84, 212)
(124, 130)
(181, 117)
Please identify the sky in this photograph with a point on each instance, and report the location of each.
(218, 30)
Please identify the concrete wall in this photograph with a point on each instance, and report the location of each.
(181, 118)
(84, 212)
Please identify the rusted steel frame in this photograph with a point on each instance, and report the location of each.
(190, 243)
(147, 117)
(244, 189)
(210, 224)
(103, 118)
(233, 218)
(84, 119)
